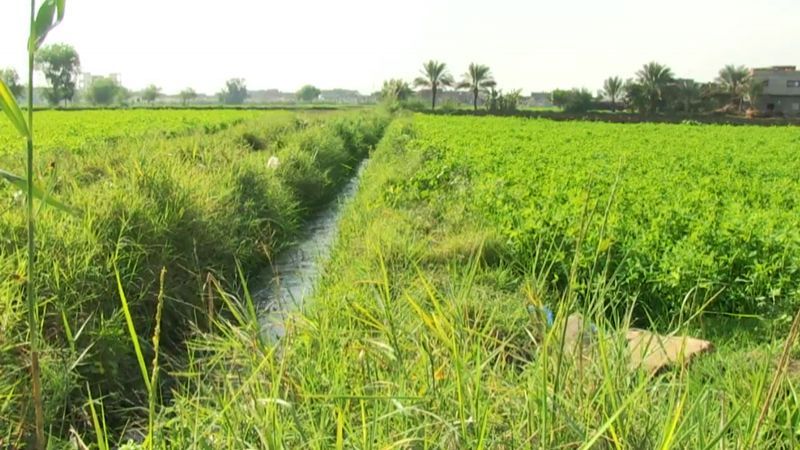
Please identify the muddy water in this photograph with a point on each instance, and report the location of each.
(294, 274)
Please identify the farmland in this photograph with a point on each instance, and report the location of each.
(173, 203)
(76, 131)
(422, 332)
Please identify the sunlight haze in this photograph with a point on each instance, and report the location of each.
(356, 44)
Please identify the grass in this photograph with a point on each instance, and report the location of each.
(413, 341)
(201, 204)
(424, 331)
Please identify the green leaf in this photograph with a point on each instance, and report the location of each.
(9, 105)
(22, 184)
(49, 10)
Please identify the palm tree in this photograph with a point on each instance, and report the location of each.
(752, 90)
(733, 80)
(395, 90)
(435, 75)
(654, 78)
(688, 91)
(478, 78)
(613, 88)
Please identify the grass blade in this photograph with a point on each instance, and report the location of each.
(9, 105)
(132, 330)
(38, 192)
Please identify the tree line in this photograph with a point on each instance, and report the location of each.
(656, 89)
(653, 89)
(478, 81)
(60, 64)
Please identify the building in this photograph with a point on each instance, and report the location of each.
(86, 79)
(543, 99)
(781, 92)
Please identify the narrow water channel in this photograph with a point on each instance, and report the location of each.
(295, 272)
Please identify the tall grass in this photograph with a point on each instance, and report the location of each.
(50, 13)
(202, 205)
(418, 337)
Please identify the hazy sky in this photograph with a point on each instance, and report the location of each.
(356, 44)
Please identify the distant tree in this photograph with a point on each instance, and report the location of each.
(395, 90)
(308, 93)
(733, 79)
(435, 76)
(11, 79)
(613, 88)
(687, 92)
(234, 93)
(104, 91)
(635, 97)
(573, 100)
(498, 102)
(187, 95)
(752, 90)
(477, 79)
(151, 93)
(60, 64)
(654, 79)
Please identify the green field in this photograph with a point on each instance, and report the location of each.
(420, 335)
(423, 331)
(173, 204)
(78, 130)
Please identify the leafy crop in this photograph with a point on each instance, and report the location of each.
(693, 210)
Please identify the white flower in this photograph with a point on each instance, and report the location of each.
(19, 197)
(273, 162)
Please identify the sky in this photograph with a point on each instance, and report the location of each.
(533, 45)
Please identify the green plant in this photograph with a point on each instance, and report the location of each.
(477, 79)
(104, 91)
(613, 88)
(50, 14)
(308, 93)
(60, 64)
(435, 76)
(234, 92)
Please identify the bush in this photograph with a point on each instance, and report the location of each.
(574, 100)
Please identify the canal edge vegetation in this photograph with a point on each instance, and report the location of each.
(211, 206)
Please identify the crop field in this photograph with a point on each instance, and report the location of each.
(670, 209)
(423, 332)
(76, 130)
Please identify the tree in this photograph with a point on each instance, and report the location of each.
(477, 79)
(733, 79)
(613, 88)
(688, 92)
(187, 95)
(60, 64)
(104, 91)
(752, 90)
(499, 102)
(395, 90)
(235, 92)
(573, 100)
(654, 78)
(635, 96)
(151, 93)
(11, 79)
(435, 75)
(308, 93)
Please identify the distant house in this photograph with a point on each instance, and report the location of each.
(540, 99)
(781, 89)
(86, 79)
